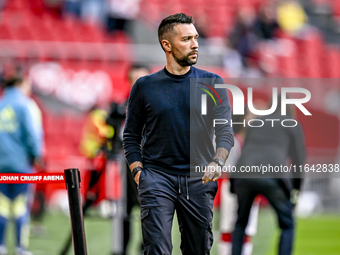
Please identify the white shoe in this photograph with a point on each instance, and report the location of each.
(3, 250)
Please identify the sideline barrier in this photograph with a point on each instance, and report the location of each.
(72, 179)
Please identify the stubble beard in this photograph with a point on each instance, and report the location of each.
(185, 60)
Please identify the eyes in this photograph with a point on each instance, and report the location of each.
(188, 38)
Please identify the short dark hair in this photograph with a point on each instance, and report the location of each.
(136, 66)
(169, 22)
(11, 74)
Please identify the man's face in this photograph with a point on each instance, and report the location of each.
(136, 73)
(184, 44)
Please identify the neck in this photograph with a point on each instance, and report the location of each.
(176, 69)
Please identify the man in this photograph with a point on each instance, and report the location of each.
(270, 145)
(134, 73)
(20, 147)
(164, 111)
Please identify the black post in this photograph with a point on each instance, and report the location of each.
(72, 179)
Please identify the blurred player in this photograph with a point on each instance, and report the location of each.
(228, 209)
(115, 119)
(38, 205)
(135, 72)
(269, 145)
(20, 147)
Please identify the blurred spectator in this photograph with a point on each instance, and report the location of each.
(291, 17)
(336, 15)
(120, 13)
(201, 24)
(236, 66)
(252, 35)
(252, 69)
(20, 147)
(135, 72)
(232, 61)
(2, 4)
(270, 145)
(71, 8)
(93, 11)
(322, 7)
(266, 23)
(240, 55)
(243, 37)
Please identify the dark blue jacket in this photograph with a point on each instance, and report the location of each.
(164, 127)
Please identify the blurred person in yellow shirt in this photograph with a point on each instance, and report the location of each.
(291, 17)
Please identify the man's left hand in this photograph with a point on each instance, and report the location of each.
(213, 172)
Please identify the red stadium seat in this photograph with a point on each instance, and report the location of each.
(63, 30)
(322, 136)
(17, 5)
(6, 33)
(22, 33)
(332, 65)
(312, 52)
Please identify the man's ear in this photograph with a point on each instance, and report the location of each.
(166, 45)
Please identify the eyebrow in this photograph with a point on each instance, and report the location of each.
(190, 36)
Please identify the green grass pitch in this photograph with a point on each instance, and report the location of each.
(315, 235)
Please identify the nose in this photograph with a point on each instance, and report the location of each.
(194, 44)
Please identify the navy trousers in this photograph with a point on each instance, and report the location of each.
(247, 190)
(160, 195)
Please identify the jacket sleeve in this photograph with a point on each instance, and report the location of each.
(224, 132)
(134, 124)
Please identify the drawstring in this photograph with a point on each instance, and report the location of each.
(186, 184)
(179, 184)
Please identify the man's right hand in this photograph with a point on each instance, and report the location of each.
(133, 166)
(137, 177)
